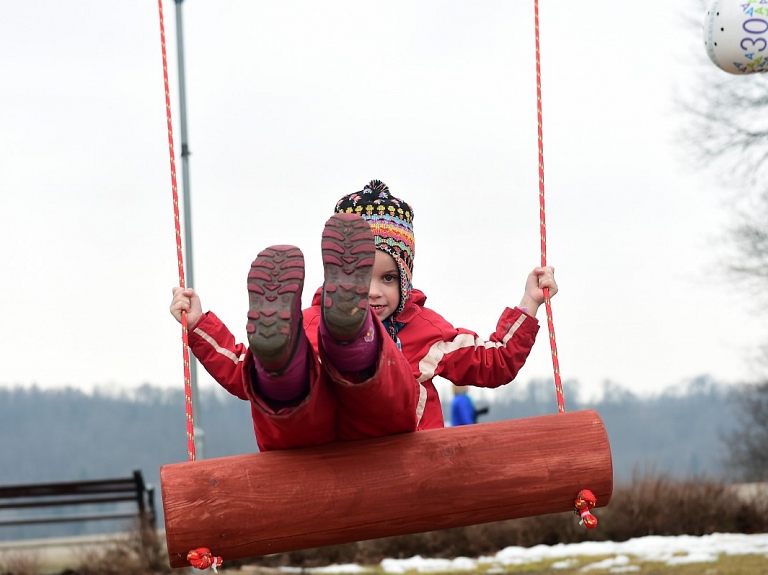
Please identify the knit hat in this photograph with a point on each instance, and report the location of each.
(391, 221)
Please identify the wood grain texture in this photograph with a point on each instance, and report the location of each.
(261, 503)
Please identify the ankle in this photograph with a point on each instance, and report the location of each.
(357, 355)
(289, 385)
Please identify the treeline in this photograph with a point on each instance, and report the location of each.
(68, 435)
(678, 433)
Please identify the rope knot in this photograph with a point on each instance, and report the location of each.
(584, 503)
(201, 558)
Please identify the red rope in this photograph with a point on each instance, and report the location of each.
(542, 220)
(585, 501)
(184, 329)
(200, 558)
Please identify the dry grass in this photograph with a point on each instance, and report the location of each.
(21, 563)
(140, 552)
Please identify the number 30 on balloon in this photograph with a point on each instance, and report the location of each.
(736, 35)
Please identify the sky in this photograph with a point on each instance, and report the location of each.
(292, 104)
(622, 557)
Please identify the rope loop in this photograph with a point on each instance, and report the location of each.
(202, 558)
(583, 505)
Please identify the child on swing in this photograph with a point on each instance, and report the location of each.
(358, 363)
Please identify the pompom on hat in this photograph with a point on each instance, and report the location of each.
(391, 221)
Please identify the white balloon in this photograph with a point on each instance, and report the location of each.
(736, 35)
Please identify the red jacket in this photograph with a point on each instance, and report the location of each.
(431, 345)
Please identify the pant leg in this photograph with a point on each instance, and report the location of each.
(387, 403)
(311, 422)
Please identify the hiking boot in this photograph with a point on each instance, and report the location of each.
(274, 306)
(348, 255)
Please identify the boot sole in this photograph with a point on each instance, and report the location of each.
(275, 283)
(348, 256)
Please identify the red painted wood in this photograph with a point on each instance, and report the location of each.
(261, 503)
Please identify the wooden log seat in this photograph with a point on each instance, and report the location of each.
(261, 503)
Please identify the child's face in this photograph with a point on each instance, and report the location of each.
(384, 294)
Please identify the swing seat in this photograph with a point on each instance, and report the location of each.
(271, 502)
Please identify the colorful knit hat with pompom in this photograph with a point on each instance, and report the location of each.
(391, 221)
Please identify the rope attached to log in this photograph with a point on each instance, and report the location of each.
(180, 258)
(200, 558)
(585, 500)
(542, 219)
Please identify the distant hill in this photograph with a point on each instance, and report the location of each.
(67, 435)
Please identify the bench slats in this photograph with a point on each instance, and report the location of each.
(53, 489)
(53, 519)
(78, 493)
(68, 502)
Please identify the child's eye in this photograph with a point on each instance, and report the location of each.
(390, 278)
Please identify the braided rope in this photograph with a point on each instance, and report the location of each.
(585, 501)
(542, 220)
(200, 558)
(184, 328)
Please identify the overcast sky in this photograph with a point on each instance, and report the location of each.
(292, 104)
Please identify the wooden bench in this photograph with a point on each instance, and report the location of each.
(105, 498)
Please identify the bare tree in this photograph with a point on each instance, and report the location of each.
(726, 132)
(727, 128)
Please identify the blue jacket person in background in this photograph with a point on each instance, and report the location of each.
(463, 410)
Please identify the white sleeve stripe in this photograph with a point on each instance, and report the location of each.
(223, 351)
(422, 404)
(513, 329)
(428, 364)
